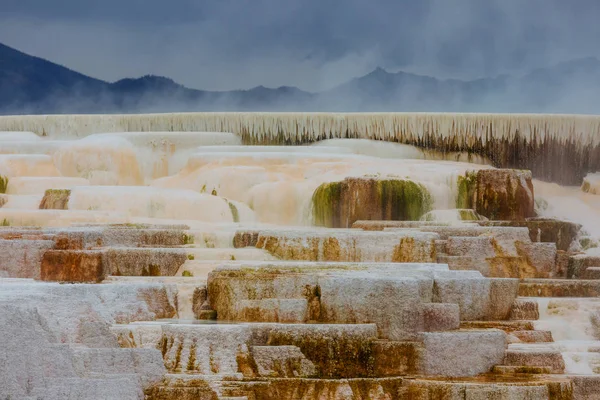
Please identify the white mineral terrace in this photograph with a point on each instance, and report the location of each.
(162, 257)
(368, 125)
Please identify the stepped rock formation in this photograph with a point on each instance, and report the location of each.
(258, 265)
(559, 148)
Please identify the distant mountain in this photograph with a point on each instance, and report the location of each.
(31, 85)
(569, 87)
(26, 81)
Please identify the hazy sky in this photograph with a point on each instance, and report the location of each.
(312, 44)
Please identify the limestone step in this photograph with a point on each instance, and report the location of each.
(280, 362)
(229, 254)
(199, 268)
(95, 265)
(127, 235)
(524, 309)
(245, 238)
(57, 218)
(177, 280)
(22, 258)
(440, 247)
(559, 288)
(579, 263)
(453, 353)
(585, 387)
(90, 237)
(273, 310)
(562, 233)
(73, 266)
(375, 225)
(210, 238)
(440, 317)
(190, 291)
(535, 356)
(230, 390)
(520, 369)
(457, 262)
(533, 336)
(147, 363)
(155, 224)
(393, 358)
(148, 261)
(105, 375)
(196, 386)
(353, 245)
(506, 326)
(24, 233)
(505, 388)
(201, 392)
(592, 273)
(213, 348)
(117, 387)
(474, 230)
(491, 265)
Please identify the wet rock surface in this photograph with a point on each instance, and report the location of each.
(340, 204)
(498, 194)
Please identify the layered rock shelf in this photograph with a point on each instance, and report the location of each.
(204, 265)
(561, 148)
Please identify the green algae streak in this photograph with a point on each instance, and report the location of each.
(3, 183)
(335, 204)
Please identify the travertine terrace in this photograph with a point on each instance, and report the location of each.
(299, 256)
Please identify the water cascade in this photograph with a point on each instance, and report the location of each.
(560, 148)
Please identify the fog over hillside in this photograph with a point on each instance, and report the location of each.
(30, 85)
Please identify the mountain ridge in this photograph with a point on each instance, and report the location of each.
(33, 85)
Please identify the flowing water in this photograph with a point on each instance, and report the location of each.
(575, 327)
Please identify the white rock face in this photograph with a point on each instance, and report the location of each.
(8, 136)
(469, 291)
(282, 361)
(455, 353)
(151, 202)
(24, 146)
(15, 216)
(34, 363)
(147, 363)
(67, 306)
(162, 154)
(57, 343)
(393, 304)
(103, 160)
(38, 185)
(22, 258)
(18, 165)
